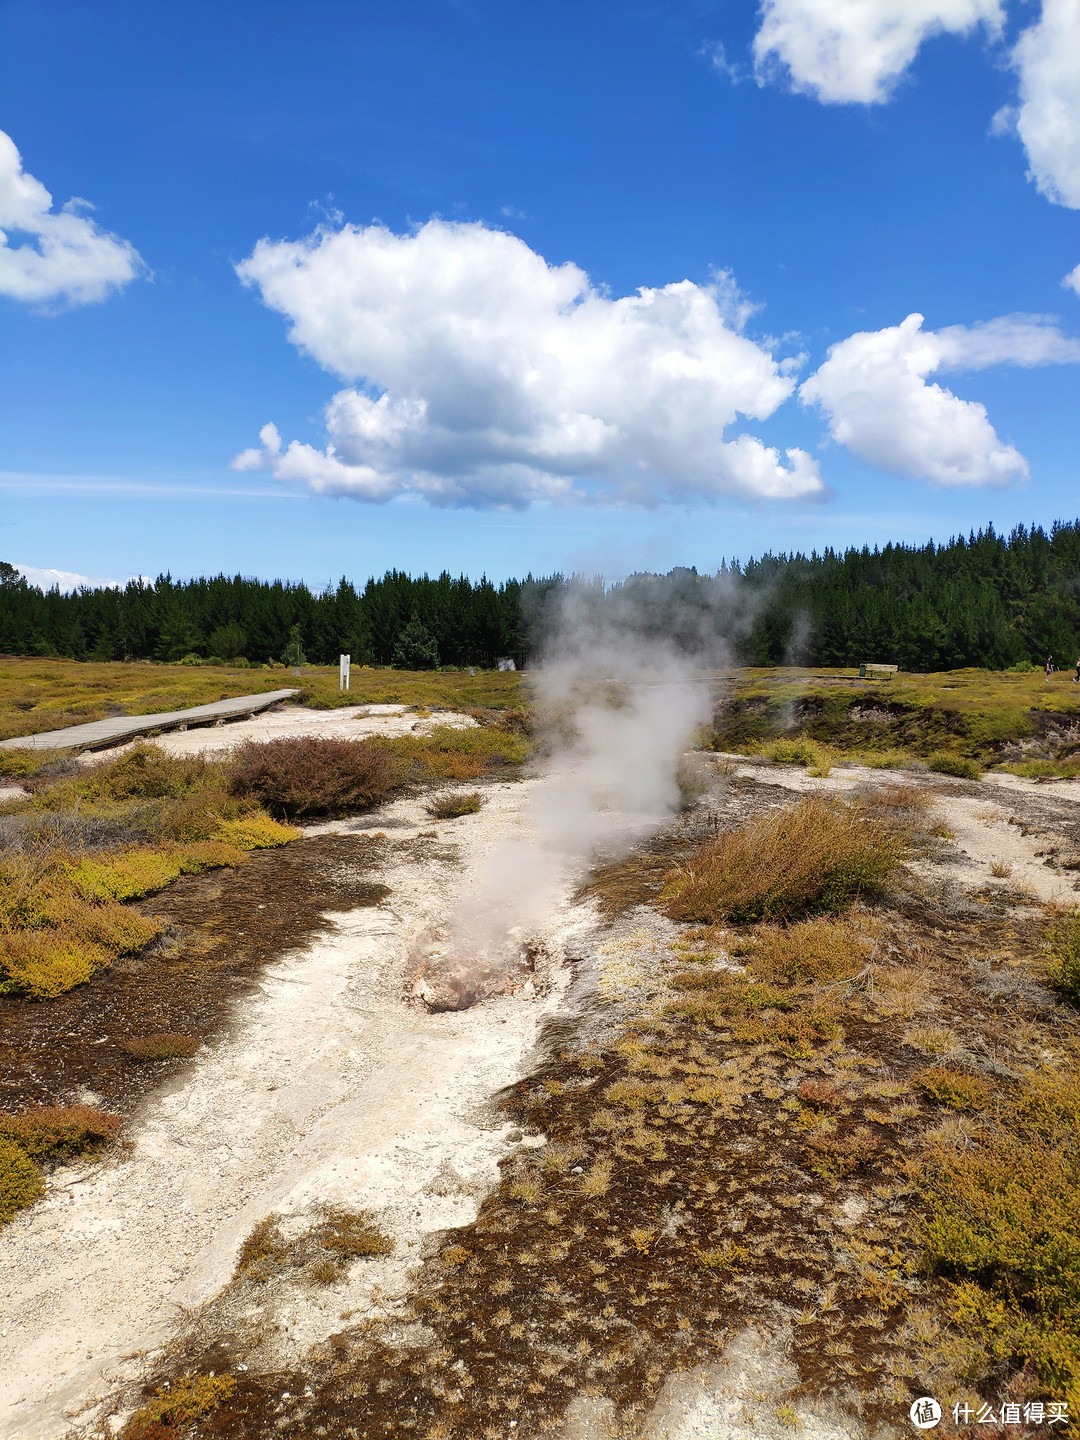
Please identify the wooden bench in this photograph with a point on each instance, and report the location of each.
(870, 672)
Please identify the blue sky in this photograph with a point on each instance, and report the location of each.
(476, 219)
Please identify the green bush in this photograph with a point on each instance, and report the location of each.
(945, 764)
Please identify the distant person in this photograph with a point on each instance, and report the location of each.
(1049, 666)
(1076, 677)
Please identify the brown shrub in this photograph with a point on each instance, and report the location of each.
(160, 1047)
(313, 776)
(817, 856)
(56, 1131)
(821, 1095)
(833, 1156)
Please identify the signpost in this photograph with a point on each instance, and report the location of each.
(343, 672)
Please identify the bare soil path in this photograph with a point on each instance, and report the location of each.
(330, 1089)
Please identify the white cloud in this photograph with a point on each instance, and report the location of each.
(1025, 340)
(66, 256)
(1072, 280)
(488, 377)
(872, 387)
(854, 51)
(66, 580)
(1047, 59)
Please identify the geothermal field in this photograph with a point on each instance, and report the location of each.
(656, 1052)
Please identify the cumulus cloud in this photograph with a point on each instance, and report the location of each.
(1072, 280)
(481, 375)
(854, 51)
(65, 257)
(1047, 60)
(873, 390)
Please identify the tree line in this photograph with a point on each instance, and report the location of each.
(984, 600)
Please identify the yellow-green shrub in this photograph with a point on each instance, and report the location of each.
(257, 831)
(20, 1180)
(190, 1398)
(42, 964)
(801, 751)
(1003, 1221)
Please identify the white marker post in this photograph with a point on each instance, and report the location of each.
(343, 674)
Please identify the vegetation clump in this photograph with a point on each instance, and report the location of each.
(819, 855)
(302, 776)
(1064, 947)
(189, 1398)
(86, 843)
(323, 1252)
(40, 1135)
(160, 1047)
(1003, 1223)
(450, 807)
(944, 763)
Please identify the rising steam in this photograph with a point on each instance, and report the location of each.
(618, 706)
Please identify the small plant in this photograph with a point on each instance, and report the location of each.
(161, 1047)
(944, 763)
(450, 806)
(820, 1095)
(1000, 869)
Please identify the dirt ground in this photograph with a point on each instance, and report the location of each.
(320, 1082)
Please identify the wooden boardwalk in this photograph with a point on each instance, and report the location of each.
(99, 734)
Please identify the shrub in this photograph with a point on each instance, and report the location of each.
(160, 1047)
(801, 751)
(41, 964)
(818, 855)
(449, 807)
(255, 832)
(190, 1398)
(1003, 1222)
(48, 1132)
(1064, 946)
(313, 776)
(57, 1131)
(945, 764)
(956, 1089)
(20, 1180)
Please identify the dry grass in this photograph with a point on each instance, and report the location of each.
(818, 855)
